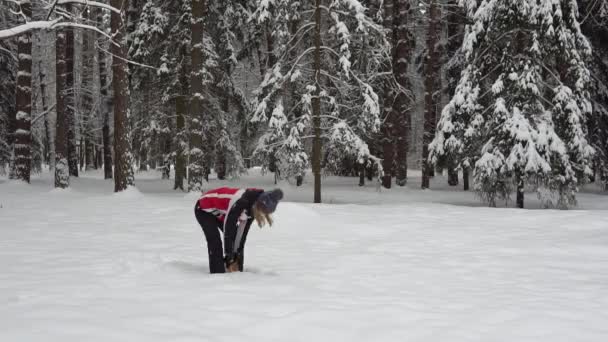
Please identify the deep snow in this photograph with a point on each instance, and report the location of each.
(401, 265)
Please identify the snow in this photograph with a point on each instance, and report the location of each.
(32, 25)
(396, 265)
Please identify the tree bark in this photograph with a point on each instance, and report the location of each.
(388, 125)
(62, 174)
(88, 65)
(520, 190)
(180, 159)
(70, 104)
(316, 106)
(430, 84)
(465, 179)
(401, 115)
(197, 168)
(104, 106)
(23, 134)
(123, 173)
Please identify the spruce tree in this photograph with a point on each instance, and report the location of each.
(521, 106)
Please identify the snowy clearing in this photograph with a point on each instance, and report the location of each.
(88, 265)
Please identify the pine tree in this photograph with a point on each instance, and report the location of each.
(432, 86)
(70, 103)
(595, 26)
(8, 74)
(401, 53)
(62, 174)
(123, 172)
(22, 133)
(104, 102)
(338, 102)
(7, 103)
(197, 167)
(521, 106)
(454, 22)
(88, 112)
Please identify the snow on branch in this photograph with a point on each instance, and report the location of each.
(90, 3)
(32, 25)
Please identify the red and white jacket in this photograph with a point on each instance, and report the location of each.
(232, 207)
(219, 201)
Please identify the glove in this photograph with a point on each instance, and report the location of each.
(232, 263)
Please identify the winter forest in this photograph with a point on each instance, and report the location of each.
(502, 96)
(403, 166)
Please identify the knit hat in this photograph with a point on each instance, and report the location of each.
(270, 199)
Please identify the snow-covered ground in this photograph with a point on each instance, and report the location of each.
(400, 265)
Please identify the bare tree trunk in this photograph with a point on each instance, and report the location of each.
(88, 65)
(70, 104)
(104, 106)
(62, 174)
(220, 162)
(465, 179)
(49, 155)
(401, 115)
(361, 170)
(388, 125)
(316, 106)
(166, 148)
(82, 152)
(520, 189)
(180, 158)
(197, 168)
(23, 134)
(430, 90)
(123, 173)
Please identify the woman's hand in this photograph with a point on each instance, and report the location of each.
(232, 264)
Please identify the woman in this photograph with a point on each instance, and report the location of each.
(230, 212)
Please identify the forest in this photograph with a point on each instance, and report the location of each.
(505, 97)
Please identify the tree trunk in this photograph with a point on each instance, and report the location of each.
(62, 174)
(465, 178)
(70, 104)
(520, 190)
(123, 173)
(104, 106)
(316, 106)
(49, 154)
(220, 161)
(180, 158)
(88, 65)
(82, 152)
(166, 173)
(430, 84)
(401, 115)
(388, 124)
(452, 176)
(23, 134)
(361, 169)
(197, 168)
(89, 153)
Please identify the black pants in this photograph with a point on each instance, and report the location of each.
(211, 227)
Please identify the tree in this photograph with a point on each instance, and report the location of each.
(197, 167)
(594, 25)
(123, 172)
(431, 85)
(338, 104)
(62, 174)
(69, 98)
(22, 133)
(521, 106)
(104, 103)
(401, 50)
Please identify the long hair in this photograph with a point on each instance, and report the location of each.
(261, 216)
